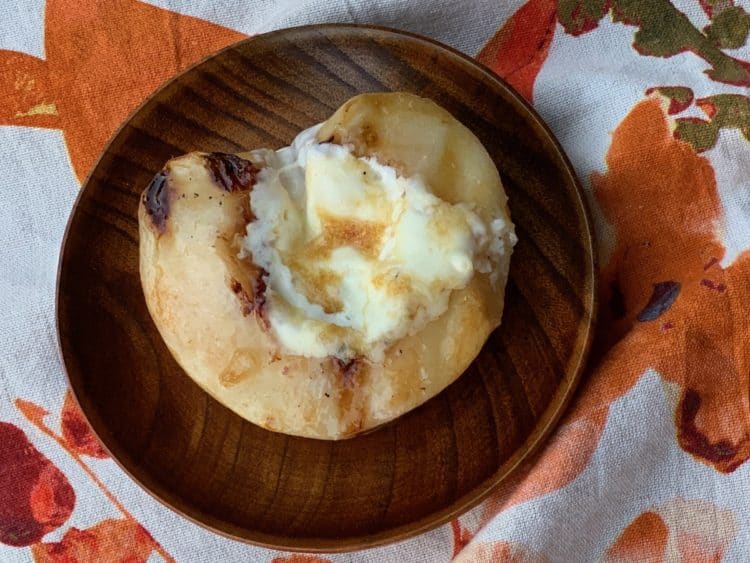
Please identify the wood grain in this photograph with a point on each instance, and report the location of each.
(401, 479)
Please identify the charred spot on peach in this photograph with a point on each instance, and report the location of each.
(156, 201)
(231, 172)
(256, 302)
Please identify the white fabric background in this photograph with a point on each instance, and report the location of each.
(586, 87)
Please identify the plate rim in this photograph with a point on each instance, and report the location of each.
(472, 498)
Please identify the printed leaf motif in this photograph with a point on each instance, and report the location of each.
(670, 234)
(42, 497)
(563, 458)
(679, 97)
(680, 530)
(725, 111)
(33, 412)
(664, 31)
(77, 432)
(499, 552)
(645, 540)
(78, 88)
(698, 132)
(109, 540)
(461, 536)
(729, 28)
(714, 7)
(662, 297)
(708, 368)
(722, 453)
(580, 16)
(519, 48)
(35, 497)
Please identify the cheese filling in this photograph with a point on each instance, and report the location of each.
(357, 256)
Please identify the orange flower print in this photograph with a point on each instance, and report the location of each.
(519, 48)
(644, 540)
(499, 552)
(35, 497)
(119, 539)
(76, 430)
(682, 530)
(668, 304)
(109, 540)
(103, 57)
(563, 458)
(461, 536)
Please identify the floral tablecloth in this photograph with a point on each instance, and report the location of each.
(649, 98)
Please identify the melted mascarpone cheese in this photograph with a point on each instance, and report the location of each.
(357, 256)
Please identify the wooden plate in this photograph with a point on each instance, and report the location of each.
(404, 478)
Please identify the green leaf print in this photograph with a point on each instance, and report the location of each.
(664, 31)
(724, 111)
(580, 16)
(729, 28)
(698, 132)
(679, 97)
